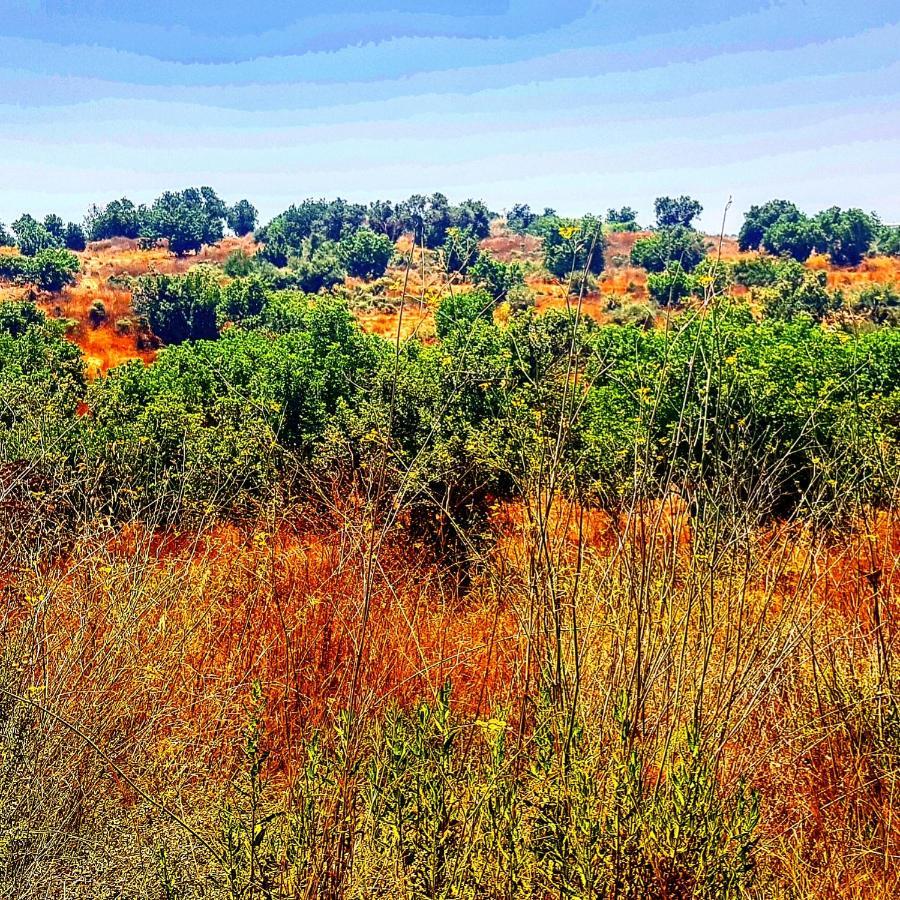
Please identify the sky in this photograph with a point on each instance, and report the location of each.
(580, 105)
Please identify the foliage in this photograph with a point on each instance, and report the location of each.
(179, 307)
(676, 212)
(505, 282)
(32, 236)
(242, 217)
(794, 237)
(520, 218)
(679, 244)
(6, 239)
(624, 219)
(759, 219)
(847, 234)
(119, 218)
(460, 250)
(187, 219)
(75, 238)
(384, 218)
(878, 302)
(366, 254)
(312, 220)
(796, 290)
(672, 286)
(573, 246)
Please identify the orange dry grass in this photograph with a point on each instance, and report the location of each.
(166, 638)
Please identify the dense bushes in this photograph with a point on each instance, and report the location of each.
(782, 229)
(47, 270)
(677, 244)
(573, 247)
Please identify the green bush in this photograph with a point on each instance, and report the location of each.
(180, 307)
(670, 245)
(365, 254)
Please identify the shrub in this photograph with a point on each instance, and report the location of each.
(365, 254)
(52, 270)
(678, 244)
(573, 246)
(97, 314)
(505, 282)
(671, 286)
(179, 307)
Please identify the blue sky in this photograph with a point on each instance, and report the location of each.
(574, 104)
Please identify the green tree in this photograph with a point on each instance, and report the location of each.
(6, 239)
(520, 218)
(32, 236)
(119, 218)
(759, 219)
(187, 219)
(624, 219)
(366, 254)
(847, 234)
(574, 246)
(383, 218)
(180, 307)
(427, 218)
(242, 217)
(794, 237)
(675, 212)
(678, 244)
(472, 216)
(75, 238)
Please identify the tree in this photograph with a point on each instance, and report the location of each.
(119, 218)
(384, 219)
(242, 301)
(847, 234)
(678, 244)
(187, 219)
(474, 216)
(573, 246)
(180, 307)
(32, 236)
(318, 267)
(242, 217)
(460, 250)
(6, 239)
(428, 218)
(505, 282)
(57, 228)
(795, 237)
(366, 254)
(75, 238)
(520, 218)
(624, 219)
(678, 211)
(760, 218)
(888, 240)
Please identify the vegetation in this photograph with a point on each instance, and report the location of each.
(508, 604)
